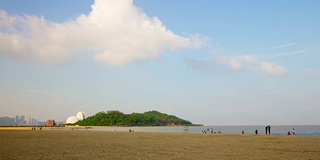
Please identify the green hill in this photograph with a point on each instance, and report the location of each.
(117, 118)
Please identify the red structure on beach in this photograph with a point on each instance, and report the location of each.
(50, 123)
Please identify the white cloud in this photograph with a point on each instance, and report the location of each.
(241, 62)
(6, 21)
(236, 65)
(235, 62)
(285, 45)
(272, 68)
(117, 32)
(249, 58)
(199, 40)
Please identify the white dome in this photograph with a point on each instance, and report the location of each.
(72, 120)
(81, 115)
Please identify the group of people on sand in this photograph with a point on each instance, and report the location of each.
(209, 131)
(256, 131)
(35, 128)
(268, 129)
(293, 132)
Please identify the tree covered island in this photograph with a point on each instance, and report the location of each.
(117, 118)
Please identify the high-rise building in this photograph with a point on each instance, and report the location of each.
(28, 120)
(34, 121)
(22, 120)
(16, 120)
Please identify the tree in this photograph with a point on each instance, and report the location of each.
(117, 118)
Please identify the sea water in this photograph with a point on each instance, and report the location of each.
(305, 130)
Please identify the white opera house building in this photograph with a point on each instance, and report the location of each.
(73, 119)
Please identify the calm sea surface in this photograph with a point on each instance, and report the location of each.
(306, 130)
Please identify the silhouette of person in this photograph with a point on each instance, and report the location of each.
(269, 128)
(266, 129)
(256, 131)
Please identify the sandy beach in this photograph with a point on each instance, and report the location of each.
(82, 144)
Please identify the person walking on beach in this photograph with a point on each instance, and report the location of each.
(268, 128)
(293, 132)
(256, 131)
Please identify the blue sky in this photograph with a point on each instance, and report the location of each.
(211, 62)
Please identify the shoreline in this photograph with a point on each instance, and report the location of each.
(127, 129)
(300, 130)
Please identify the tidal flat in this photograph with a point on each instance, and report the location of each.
(83, 144)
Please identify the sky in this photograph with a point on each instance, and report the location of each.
(208, 61)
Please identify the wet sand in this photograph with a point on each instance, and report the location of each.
(83, 144)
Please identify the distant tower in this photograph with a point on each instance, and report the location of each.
(16, 120)
(22, 120)
(28, 120)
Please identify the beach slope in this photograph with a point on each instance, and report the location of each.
(72, 144)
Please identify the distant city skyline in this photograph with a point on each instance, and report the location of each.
(25, 120)
(20, 120)
(210, 62)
